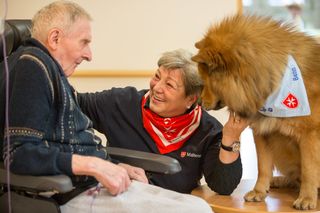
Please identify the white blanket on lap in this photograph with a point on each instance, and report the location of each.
(139, 198)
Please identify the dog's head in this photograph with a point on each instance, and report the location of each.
(233, 62)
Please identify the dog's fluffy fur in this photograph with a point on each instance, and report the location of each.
(242, 61)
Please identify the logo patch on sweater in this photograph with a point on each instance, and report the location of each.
(189, 154)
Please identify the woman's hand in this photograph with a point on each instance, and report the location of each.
(231, 132)
(233, 129)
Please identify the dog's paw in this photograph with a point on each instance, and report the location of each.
(255, 196)
(305, 203)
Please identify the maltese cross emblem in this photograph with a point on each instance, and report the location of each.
(183, 154)
(291, 101)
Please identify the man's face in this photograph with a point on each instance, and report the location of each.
(73, 46)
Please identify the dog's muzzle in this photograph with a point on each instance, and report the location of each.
(209, 106)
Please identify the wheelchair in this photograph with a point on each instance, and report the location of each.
(46, 193)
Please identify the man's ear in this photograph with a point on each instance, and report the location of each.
(54, 37)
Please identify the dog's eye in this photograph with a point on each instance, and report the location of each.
(204, 66)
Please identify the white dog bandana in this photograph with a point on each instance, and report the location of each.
(291, 99)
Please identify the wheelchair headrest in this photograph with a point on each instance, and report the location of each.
(15, 32)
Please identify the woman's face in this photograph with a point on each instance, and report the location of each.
(167, 93)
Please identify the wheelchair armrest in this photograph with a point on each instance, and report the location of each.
(150, 162)
(57, 183)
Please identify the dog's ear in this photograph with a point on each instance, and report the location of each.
(198, 58)
(199, 44)
(210, 62)
(202, 63)
(201, 58)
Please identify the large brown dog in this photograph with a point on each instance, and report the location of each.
(242, 61)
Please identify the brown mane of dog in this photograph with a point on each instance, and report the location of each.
(243, 58)
(242, 61)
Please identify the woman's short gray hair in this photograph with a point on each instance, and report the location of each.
(60, 14)
(181, 59)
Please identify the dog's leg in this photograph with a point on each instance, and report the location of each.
(265, 165)
(309, 149)
(284, 182)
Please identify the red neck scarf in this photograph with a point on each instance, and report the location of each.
(169, 134)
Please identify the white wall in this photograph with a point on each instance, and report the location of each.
(131, 34)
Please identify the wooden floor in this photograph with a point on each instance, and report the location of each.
(278, 200)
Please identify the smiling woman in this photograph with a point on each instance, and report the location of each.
(167, 119)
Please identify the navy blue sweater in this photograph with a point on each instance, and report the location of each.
(46, 122)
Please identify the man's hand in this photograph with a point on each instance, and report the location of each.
(135, 173)
(113, 177)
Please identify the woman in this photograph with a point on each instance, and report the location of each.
(166, 119)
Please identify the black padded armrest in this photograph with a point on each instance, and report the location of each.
(61, 183)
(57, 183)
(148, 161)
(16, 31)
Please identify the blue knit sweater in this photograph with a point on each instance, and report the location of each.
(46, 125)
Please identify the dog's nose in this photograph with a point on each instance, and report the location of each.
(219, 105)
(205, 105)
(210, 106)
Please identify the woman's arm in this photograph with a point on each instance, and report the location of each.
(221, 177)
(223, 169)
(231, 134)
